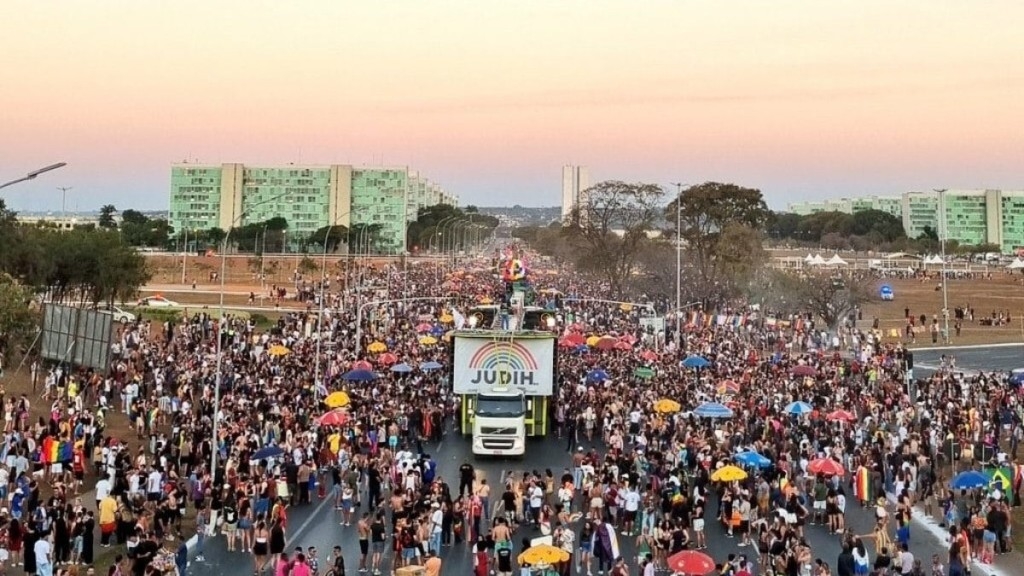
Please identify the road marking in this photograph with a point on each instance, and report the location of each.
(316, 512)
(966, 347)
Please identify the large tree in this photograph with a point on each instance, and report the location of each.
(612, 225)
(17, 320)
(106, 219)
(830, 298)
(705, 212)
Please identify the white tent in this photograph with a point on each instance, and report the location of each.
(809, 259)
(817, 260)
(835, 260)
(934, 259)
(1017, 264)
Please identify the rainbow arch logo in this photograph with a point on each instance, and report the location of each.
(504, 357)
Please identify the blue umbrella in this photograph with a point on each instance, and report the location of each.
(267, 452)
(359, 376)
(970, 479)
(402, 368)
(799, 408)
(753, 460)
(582, 349)
(437, 331)
(596, 375)
(696, 362)
(713, 410)
(431, 365)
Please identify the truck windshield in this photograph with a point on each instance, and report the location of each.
(499, 406)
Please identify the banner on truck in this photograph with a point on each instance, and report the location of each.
(482, 364)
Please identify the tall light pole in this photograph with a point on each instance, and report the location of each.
(679, 260)
(943, 233)
(320, 317)
(63, 201)
(33, 174)
(221, 323)
(184, 256)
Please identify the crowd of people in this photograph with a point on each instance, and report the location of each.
(640, 474)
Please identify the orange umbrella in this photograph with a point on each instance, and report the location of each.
(826, 466)
(387, 359)
(334, 418)
(842, 416)
(606, 343)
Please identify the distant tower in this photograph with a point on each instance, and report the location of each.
(575, 181)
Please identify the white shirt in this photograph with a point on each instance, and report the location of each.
(436, 518)
(632, 501)
(153, 482)
(536, 497)
(42, 550)
(102, 489)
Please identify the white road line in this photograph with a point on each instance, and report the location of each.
(966, 347)
(312, 517)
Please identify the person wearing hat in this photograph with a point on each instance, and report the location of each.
(436, 522)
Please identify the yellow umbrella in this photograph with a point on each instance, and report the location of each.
(428, 340)
(543, 554)
(278, 350)
(667, 406)
(337, 400)
(377, 347)
(592, 341)
(626, 307)
(728, 473)
(446, 318)
(485, 300)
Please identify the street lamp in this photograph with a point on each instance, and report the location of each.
(220, 330)
(679, 257)
(942, 242)
(32, 175)
(320, 317)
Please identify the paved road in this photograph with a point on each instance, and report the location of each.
(318, 524)
(971, 359)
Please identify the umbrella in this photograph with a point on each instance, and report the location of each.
(752, 459)
(431, 365)
(691, 563)
(359, 376)
(713, 410)
(278, 350)
(825, 466)
(623, 345)
(592, 341)
(337, 400)
(576, 339)
(423, 327)
(597, 375)
(644, 372)
(362, 365)
(436, 331)
(446, 318)
(565, 343)
(799, 408)
(969, 479)
(428, 340)
(267, 452)
(729, 473)
(841, 415)
(582, 349)
(804, 370)
(334, 418)
(648, 356)
(402, 368)
(387, 359)
(485, 300)
(605, 343)
(696, 362)
(728, 387)
(666, 406)
(545, 554)
(377, 347)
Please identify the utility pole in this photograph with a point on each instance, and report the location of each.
(679, 261)
(942, 243)
(63, 202)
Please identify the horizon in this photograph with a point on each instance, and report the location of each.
(802, 100)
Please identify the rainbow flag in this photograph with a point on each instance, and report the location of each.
(862, 484)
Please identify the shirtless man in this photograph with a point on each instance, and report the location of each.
(363, 528)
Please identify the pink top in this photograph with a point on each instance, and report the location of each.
(300, 569)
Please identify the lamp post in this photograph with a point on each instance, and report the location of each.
(220, 332)
(33, 174)
(320, 317)
(679, 259)
(942, 243)
(184, 256)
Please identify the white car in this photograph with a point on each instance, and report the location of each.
(120, 315)
(158, 302)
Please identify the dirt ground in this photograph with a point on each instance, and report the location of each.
(245, 269)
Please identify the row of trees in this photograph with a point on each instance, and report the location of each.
(432, 222)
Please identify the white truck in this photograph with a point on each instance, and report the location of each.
(506, 382)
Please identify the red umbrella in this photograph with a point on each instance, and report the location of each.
(841, 415)
(575, 339)
(826, 466)
(629, 338)
(334, 418)
(362, 365)
(691, 563)
(423, 327)
(804, 370)
(566, 343)
(623, 345)
(649, 355)
(387, 359)
(606, 343)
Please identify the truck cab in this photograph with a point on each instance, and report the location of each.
(499, 422)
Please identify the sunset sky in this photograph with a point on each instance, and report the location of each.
(802, 99)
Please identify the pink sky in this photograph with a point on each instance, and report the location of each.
(803, 99)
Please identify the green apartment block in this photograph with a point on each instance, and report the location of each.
(308, 197)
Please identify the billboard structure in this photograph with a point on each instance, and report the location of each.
(483, 363)
(77, 336)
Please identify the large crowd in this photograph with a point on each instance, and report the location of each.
(815, 421)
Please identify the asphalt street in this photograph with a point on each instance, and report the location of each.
(1003, 358)
(319, 525)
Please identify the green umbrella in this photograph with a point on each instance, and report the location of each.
(643, 372)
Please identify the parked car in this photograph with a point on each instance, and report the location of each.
(119, 314)
(158, 302)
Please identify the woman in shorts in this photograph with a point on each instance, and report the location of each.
(698, 526)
